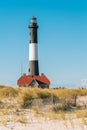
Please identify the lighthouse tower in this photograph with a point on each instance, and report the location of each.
(33, 79)
(33, 48)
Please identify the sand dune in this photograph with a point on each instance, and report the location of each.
(42, 123)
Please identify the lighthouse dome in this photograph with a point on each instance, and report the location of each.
(33, 20)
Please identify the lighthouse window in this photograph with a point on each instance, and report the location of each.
(29, 69)
(30, 41)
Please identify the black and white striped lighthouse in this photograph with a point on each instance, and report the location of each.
(33, 78)
(33, 48)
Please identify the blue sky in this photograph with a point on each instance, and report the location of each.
(62, 40)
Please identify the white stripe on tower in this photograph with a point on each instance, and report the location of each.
(33, 52)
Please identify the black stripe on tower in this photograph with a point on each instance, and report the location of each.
(33, 68)
(33, 30)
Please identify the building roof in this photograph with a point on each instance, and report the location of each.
(27, 79)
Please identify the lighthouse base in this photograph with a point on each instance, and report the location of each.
(33, 68)
(33, 81)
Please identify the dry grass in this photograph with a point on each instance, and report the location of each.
(8, 115)
(22, 119)
(24, 95)
(49, 114)
(4, 112)
(82, 114)
(40, 93)
(6, 92)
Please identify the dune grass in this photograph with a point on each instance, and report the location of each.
(6, 91)
(20, 98)
(82, 114)
(25, 94)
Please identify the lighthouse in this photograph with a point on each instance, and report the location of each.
(33, 79)
(33, 48)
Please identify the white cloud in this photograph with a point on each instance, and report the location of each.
(83, 82)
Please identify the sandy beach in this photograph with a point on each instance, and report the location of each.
(21, 112)
(45, 125)
(42, 123)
